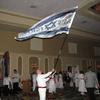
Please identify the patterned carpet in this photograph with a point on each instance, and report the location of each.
(62, 94)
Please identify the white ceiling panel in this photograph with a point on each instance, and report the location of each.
(38, 8)
(86, 24)
(43, 8)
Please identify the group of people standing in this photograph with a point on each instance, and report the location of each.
(85, 83)
(55, 82)
(10, 84)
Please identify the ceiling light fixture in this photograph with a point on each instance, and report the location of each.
(84, 22)
(33, 6)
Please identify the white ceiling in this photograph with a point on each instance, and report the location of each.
(43, 8)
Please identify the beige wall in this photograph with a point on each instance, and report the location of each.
(50, 51)
(50, 46)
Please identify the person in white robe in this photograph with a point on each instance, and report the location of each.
(52, 85)
(71, 84)
(76, 79)
(57, 80)
(60, 81)
(82, 88)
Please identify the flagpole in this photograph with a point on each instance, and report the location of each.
(60, 51)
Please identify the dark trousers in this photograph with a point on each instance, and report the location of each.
(15, 87)
(91, 95)
(1, 90)
(5, 90)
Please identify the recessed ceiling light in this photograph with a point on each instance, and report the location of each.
(84, 21)
(33, 6)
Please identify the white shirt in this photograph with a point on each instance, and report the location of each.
(15, 78)
(6, 81)
(42, 79)
(91, 79)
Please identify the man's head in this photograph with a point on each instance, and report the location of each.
(38, 71)
(15, 71)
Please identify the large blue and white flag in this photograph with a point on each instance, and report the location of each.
(50, 26)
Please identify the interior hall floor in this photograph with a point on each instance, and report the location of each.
(62, 94)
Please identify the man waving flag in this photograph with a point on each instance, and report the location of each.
(50, 26)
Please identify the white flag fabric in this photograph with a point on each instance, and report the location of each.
(50, 26)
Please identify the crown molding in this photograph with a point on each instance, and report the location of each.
(84, 34)
(10, 17)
